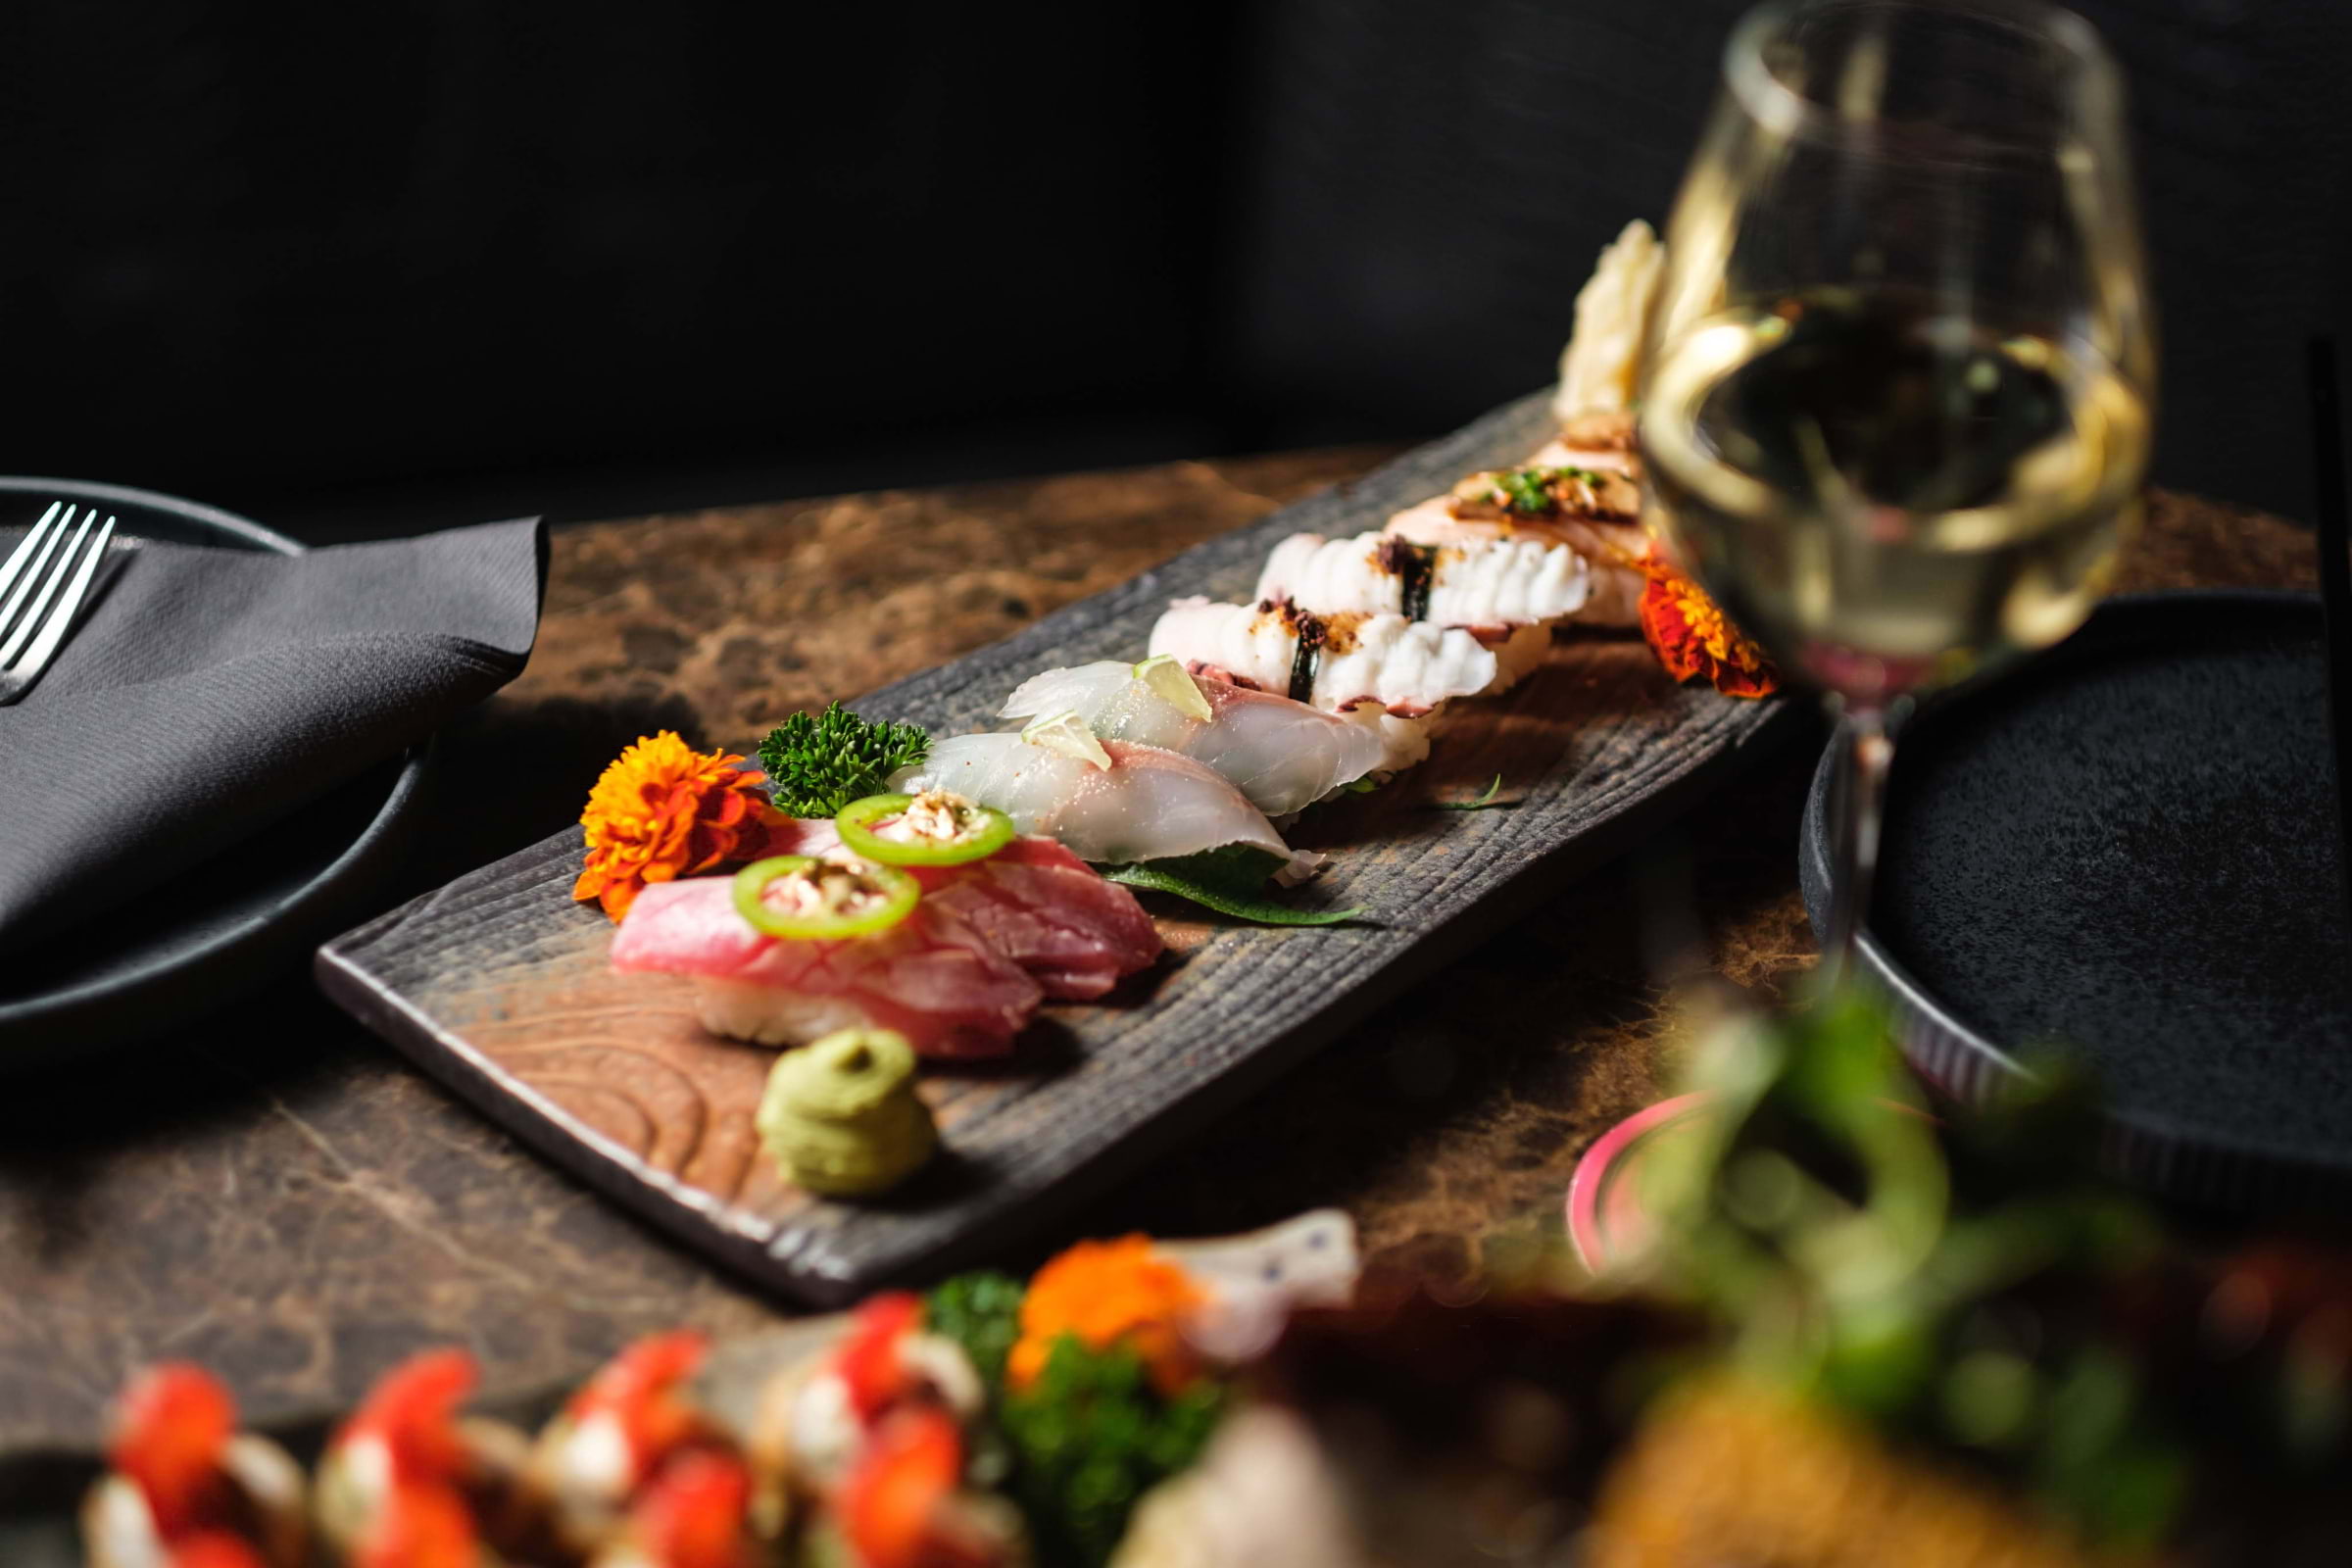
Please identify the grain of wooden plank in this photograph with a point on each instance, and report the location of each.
(497, 983)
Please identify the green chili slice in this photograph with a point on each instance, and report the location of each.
(939, 828)
(830, 899)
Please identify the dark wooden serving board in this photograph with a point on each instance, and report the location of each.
(498, 983)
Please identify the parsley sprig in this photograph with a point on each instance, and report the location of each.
(817, 765)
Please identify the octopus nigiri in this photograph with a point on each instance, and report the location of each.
(185, 1485)
(1284, 755)
(1334, 662)
(1117, 801)
(1594, 512)
(930, 977)
(1478, 585)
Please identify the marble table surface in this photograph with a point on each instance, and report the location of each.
(275, 1194)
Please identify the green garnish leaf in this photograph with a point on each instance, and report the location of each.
(980, 1311)
(1477, 805)
(1361, 786)
(1230, 881)
(1522, 490)
(1089, 1438)
(817, 765)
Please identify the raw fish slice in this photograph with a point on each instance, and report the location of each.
(1407, 667)
(1284, 755)
(1149, 805)
(1478, 585)
(931, 977)
(1050, 912)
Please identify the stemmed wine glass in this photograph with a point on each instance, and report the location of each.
(1896, 399)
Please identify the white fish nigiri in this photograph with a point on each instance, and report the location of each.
(1284, 755)
(1406, 667)
(1148, 804)
(1485, 583)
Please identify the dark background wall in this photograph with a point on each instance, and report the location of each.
(360, 269)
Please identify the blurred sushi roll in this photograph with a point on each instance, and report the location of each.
(407, 1479)
(183, 1485)
(696, 1513)
(617, 1435)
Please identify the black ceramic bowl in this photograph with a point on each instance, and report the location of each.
(2128, 849)
(226, 927)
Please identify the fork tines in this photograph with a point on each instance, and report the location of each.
(37, 600)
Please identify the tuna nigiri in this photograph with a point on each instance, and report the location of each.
(1282, 755)
(1334, 662)
(1050, 912)
(1137, 803)
(1489, 583)
(930, 976)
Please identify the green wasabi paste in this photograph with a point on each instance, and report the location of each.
(841, 1114)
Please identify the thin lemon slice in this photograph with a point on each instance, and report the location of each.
(1164, 675)
(1067, 733)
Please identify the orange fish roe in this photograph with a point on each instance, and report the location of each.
(1109, 1292)
(1691, 636)
(664, 810)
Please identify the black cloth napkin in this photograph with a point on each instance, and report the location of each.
(204, 693)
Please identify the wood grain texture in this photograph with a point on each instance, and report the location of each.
(498, 983)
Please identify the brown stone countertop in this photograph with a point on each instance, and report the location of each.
(276, 1194)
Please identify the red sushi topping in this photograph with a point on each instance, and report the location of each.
(413, 1411)
(1052, 913)
(868, 1360)
(639, 1389)
(170, 1429)
(213, 1549)
(694, 1514)
(890, 1505)
(421, 1525)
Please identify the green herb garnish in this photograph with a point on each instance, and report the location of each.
(817, 765)
(1477, 805)
(1230, 881)
(1088, 1438)
(1522, 490)
(982, 1312)
(1363, 786)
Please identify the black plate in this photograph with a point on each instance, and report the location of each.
(2130, 847)
(230, 925)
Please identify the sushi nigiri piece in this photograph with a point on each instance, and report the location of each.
(1137, 803)
(1334, 662)
(185, 1485)
(1593, 511)
(1477, 584)
(930, 977)
(1284, 755)
(1076, 934)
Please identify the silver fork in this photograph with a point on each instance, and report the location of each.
(29, 640)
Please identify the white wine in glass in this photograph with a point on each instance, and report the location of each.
(1895, 407)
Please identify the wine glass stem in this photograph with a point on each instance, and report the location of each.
(1857, 802)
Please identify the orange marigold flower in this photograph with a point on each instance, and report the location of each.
(1110, 1293)
(664, 810)
(1691, 636)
